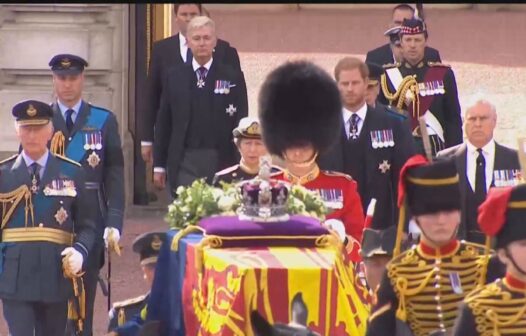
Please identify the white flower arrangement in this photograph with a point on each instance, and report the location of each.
(200, 200)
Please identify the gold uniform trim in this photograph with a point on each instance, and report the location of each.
(423, 286)
(497, 310)
(31, 234)
(433, 182)
(517, 205)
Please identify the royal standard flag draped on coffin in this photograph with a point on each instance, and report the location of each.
(227, 284)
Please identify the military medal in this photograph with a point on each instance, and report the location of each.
(374, 139)
(384, 166)
(456, 285)
(200, 83)
(390, 138)
(98, 143)
(222, 87)
(231, 109)
(422, 89)
(93, 159)
(332, 198)
(34, 184)
(61, 215)
(227, 87)
(216, 90)
(86, 141)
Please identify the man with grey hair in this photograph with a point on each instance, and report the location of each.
(170, 52)
(201, 103)
(482, 163)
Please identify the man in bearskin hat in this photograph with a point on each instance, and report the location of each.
(499, 308)
(423, 88)
(423, 286)
(300, 109)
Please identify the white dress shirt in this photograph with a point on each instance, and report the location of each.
(471, 162)
(196, 66)
(362, 112)
(63, 108)
(41, 162)
(183, 46)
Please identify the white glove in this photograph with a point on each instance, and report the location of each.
(115, 236)
(336, 225)
(74, 260)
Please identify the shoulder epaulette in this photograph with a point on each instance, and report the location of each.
(129, 302)
(438, 64)
(228, 170)
(391, 65)
(335, 173)
(11, 158)
(68, 160)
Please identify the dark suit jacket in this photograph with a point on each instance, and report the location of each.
(384, 55)
(175, 113)
(165, 54)
(382, 186)
(32, 271)
(109, 173)
(505, 158)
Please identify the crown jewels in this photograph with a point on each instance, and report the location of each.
(263, 199)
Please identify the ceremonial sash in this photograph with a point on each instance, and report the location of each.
(96, 119)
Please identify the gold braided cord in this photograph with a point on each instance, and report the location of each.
(12, 199)
(399, 230)
(409, 83)
(58, 143)
(517, 205)
(433, 182)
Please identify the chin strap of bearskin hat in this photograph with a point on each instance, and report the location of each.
(76, 304)
(58, 141)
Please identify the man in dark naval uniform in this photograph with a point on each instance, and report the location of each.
(47, 227)
(89, 135)
(373, 143)
(127, 317)
(425, 89)
(422, 287)
(386, 54)
(201, 104)
(247, 137)
(499, 308)
(168, 53)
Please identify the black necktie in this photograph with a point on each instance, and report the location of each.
(35, 177)
(480, 177)
(69, 119)
(189, 56)
(353, 126)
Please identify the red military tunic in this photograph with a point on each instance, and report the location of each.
(343, 189)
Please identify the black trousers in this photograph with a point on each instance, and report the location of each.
(26, 318)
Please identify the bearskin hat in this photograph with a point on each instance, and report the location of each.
(299, 104)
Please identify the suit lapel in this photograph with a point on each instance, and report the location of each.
(81, 117)
(177, 48)
(58, 120)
